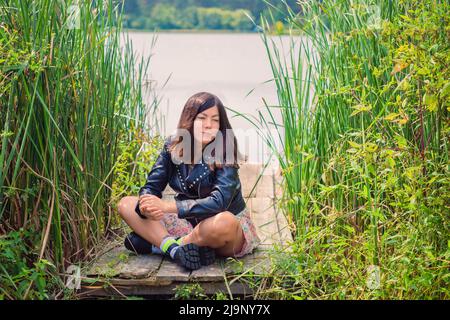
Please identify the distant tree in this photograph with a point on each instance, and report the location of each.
(138, 23)
(210, 18)
(129, 7)
(143, 7)
(241, 20)
(189, 18)
(228, 19)
(164, 16)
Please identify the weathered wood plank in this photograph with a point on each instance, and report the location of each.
(171, 271)
(169, 191)
(264, 187)
(248, 175)
(209, 288)
(121, 263)
(265, 220)
(283, 228)
(257, 263)
(213, 272)
(260, 205)
(152, 280)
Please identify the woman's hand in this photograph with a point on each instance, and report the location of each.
(152, 207)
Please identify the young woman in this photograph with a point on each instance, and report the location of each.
(208, 215)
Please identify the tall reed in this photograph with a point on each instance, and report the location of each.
(71, 89)
(363, 96)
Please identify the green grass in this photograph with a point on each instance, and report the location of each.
(68, 97)
(364, 134)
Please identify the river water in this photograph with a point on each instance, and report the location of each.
(233, 66)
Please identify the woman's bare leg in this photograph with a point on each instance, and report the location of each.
(151, 230)
(222, 232)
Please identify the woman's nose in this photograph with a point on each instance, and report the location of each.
(207, 123)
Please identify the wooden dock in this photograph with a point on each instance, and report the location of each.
(120, 272)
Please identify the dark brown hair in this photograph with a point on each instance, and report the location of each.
(193, 106)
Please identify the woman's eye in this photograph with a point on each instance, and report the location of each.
(216, 120)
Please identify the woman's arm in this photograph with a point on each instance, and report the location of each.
(158, 177)
(170, 206)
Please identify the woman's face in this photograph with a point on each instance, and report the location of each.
(206, 125)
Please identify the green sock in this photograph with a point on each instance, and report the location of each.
(180, 240)
(170, 245)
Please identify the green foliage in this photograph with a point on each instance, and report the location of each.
(69, 93)
(216, 18)
(365, 152)
(219, 295)
(20, 278)
(190, 291)
(165, 16)
(135, 160)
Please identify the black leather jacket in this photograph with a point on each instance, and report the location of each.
(201, 194)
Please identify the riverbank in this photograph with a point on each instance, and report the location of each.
(211, 31)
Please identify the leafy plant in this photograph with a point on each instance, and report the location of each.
(364, 148)
(70, 97)
(189, 291)
(20, 277)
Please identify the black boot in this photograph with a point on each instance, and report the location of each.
(135, 243)
(193, 257)
(207, 255)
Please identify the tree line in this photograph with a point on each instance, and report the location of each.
(240, 15)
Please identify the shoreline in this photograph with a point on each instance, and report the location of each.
(202, 31)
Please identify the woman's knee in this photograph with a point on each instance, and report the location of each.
(224, 225)
(126, 204)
